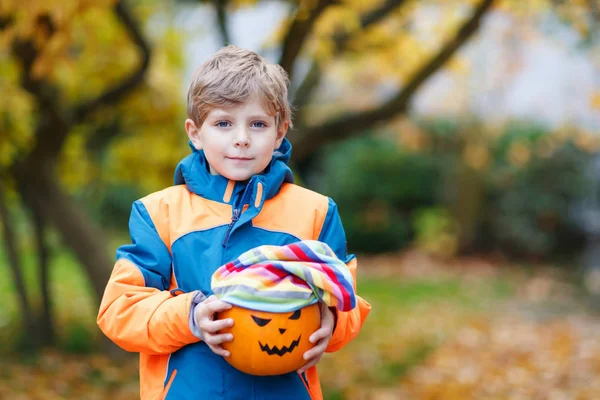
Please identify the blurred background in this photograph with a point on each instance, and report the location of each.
(460, 140)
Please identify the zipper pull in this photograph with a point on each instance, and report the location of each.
(234, 218)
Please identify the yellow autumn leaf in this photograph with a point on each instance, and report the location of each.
(595, 101)
(519, 154)
(476, 156)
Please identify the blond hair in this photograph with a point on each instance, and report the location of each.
(233, 76)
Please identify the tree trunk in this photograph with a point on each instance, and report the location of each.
(467, 205)
(76, 229)
(46, 322)
(14, 262)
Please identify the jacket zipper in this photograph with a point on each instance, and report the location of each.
(234, 219)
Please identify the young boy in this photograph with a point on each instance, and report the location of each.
(232, 194)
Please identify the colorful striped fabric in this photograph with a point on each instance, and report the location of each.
(286, 278)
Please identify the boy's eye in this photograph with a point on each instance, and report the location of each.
(259, 124)
(222, 124)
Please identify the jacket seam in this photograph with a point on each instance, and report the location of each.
(326, 220)
(197, 230)
(276, 231)
(148, 218)
(136, 266)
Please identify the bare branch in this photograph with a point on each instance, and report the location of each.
(221, 9)
(129, 83)
(350, 125)
(313, 78)
(296, 36)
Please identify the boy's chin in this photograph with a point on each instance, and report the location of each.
(237, 176)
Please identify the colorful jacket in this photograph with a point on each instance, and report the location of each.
(180, 236)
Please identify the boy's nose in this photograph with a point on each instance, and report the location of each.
(241, 139)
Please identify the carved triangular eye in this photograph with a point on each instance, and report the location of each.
(260, 321)
(295, 315)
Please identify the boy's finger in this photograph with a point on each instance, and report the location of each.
(218, 305)
(309, 365)
(318, 335)
(315, 351)
(218, 339)
(210, 299)
(217, 325)
(219, 350)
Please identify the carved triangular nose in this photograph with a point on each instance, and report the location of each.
(281, 330)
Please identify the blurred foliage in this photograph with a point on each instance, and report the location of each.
(88, 52)
(432, 183)
(129, 148)
(376, 187)
(530, 207)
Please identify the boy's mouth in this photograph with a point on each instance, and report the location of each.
(240, 158)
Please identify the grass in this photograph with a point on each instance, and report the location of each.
(400, 292)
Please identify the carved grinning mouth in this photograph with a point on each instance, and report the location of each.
(280, 352)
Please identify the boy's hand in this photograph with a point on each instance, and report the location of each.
(321, 337)
(209, 327)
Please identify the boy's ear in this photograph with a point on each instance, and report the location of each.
(193, 133)
(281, 132)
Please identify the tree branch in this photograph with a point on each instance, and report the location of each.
(297, 35)
(313, 78)
(5, 21)
(221, 9)
(380, 13)
(351, 125)
(53, 121)
(305, 90)
(369, 19)
(594, 7)
(119, 91)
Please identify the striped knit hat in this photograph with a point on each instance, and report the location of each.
(286, 278)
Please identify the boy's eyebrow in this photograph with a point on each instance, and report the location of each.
(218, 113)
(223, 113)
(260, 116)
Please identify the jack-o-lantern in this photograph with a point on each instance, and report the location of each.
(287, 284)
(267, 343)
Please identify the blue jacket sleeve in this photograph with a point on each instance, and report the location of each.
(348, 324)
(147, 251)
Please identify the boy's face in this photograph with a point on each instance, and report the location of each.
(238, 141)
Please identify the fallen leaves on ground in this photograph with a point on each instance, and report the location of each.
(539, 343)
(57, 376)
(512, 358)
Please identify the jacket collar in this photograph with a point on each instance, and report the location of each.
(193, 171)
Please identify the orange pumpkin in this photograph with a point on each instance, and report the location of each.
(266, 343)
